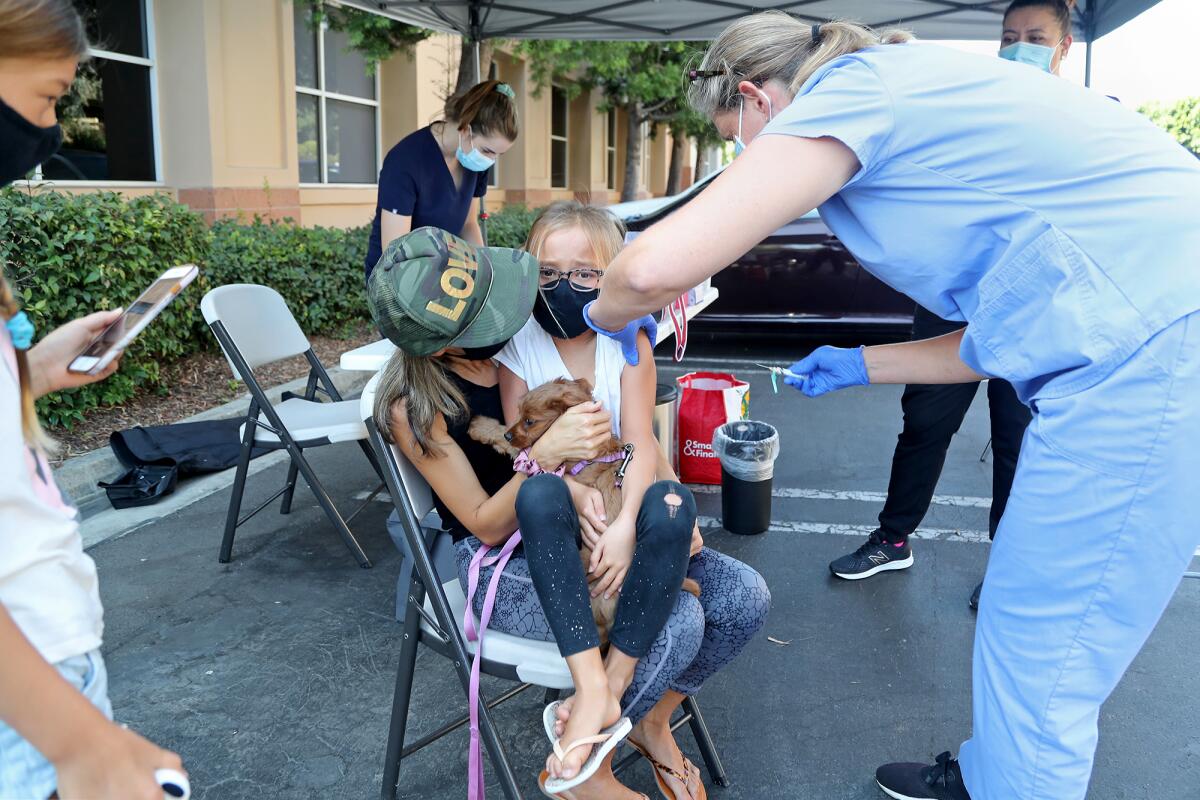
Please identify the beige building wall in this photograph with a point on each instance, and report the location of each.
(227, 125)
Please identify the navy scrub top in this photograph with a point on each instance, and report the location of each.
(415, 182)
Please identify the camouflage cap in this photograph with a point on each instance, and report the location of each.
(432, 289)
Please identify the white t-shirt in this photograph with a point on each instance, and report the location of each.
(532, 357)
(47, 583)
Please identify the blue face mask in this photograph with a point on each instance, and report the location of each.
(1035, 55)
(474, 160)
(738, 144)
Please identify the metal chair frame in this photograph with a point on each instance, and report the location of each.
(445, 638)
(318, 381)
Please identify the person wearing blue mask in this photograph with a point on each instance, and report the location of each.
(433, 176)
(1038, 33)
(1061, 227)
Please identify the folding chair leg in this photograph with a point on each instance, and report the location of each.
(326, 502)
(239, 487)
(708, 750)
(285, 507)
(370, 453)
(552, 695)
(401, 696)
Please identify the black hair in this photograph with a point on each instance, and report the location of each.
(1061, 9)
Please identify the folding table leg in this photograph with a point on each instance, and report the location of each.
(708, 750)
(239, 486)
(402, 694)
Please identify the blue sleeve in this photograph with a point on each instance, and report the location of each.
(481, 182)
(398, 185)
(848, 102)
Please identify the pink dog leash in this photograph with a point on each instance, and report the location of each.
(481, 559)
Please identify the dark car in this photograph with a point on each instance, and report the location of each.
(801, 275)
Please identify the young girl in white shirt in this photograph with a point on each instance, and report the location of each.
(55, 728)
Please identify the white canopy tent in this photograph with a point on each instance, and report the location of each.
(646, 20)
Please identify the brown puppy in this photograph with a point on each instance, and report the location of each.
(539, 409)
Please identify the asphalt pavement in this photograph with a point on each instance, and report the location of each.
(273, 675)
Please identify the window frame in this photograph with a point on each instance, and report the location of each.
(610, 150)
(565, 138)
(322, 118)
(150, 60)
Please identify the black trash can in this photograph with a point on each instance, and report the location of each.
(747, 450)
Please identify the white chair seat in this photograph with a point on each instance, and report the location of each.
(309, 421)
(536, 662)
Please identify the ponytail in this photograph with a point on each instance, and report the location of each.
(775, 46)
(30, 427)
(488, 108)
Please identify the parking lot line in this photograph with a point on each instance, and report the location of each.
(786, 492)
(839, 529)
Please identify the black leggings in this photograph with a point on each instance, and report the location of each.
(550, 532)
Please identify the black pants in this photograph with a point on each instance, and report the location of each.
(550, 534)
(932, 415)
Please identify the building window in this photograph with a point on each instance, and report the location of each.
(610, 148)
(558, 137)
(337, 109)
(645, 136)
(109, 117)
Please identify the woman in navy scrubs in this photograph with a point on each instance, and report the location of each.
(432, 175)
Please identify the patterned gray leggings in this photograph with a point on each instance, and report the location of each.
(701, 635)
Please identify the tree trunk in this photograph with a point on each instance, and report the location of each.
(633, 152)
(701, 162)
(466, 64)
(675, 169)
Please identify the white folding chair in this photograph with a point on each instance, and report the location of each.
(255, 327)
(432, 607)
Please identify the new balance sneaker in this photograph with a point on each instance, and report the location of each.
(877, 555)
(941, 781)
(974, 601)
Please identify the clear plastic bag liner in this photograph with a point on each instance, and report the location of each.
(747, 449)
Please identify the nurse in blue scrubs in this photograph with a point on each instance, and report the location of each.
(435, 174)
(1064, 229)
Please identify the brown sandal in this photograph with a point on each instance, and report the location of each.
(691, 781)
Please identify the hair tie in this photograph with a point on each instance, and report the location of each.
(21, 330)
(507, 91)
(816, 32)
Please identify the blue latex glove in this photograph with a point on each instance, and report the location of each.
(829, 368)
(627, 336)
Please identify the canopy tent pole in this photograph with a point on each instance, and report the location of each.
(1088, 22)
(1087, 69)
(477, 57)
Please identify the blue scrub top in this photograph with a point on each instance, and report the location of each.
(1063, 227)
(415, 182)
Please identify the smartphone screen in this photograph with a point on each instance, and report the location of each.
(100, 352)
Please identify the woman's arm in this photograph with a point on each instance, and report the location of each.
(512, 389)
(471, 231)
(392, 227)
(492, 519)
(774, 182)
(933, 360)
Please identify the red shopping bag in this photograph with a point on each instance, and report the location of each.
(707, 400)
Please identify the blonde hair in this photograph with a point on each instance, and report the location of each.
(775, 46)
(35, 29)
(605, 233)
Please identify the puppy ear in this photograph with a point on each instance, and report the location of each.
(585, 384)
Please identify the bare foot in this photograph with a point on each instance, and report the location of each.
(656, 738)
(616, 686)
(592, 709)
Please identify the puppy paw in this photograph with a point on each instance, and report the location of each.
(691, 587)
(486, 430)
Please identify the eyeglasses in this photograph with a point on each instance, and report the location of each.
(583, 279)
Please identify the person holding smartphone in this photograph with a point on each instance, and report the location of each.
(56, 733)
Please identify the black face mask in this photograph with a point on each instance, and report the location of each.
(560, 310)
(23, 145)
(482, 353)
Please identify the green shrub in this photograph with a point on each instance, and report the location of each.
(69, 255)
(319, 271)
(1181, 119)
(509, 226)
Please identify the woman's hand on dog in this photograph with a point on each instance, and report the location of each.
(611, 557)
(577, 435)
(589, 505)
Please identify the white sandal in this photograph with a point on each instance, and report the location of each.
(604, 742)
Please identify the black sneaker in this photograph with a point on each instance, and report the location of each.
(974, 601)
(942, 781)
(877, 555)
